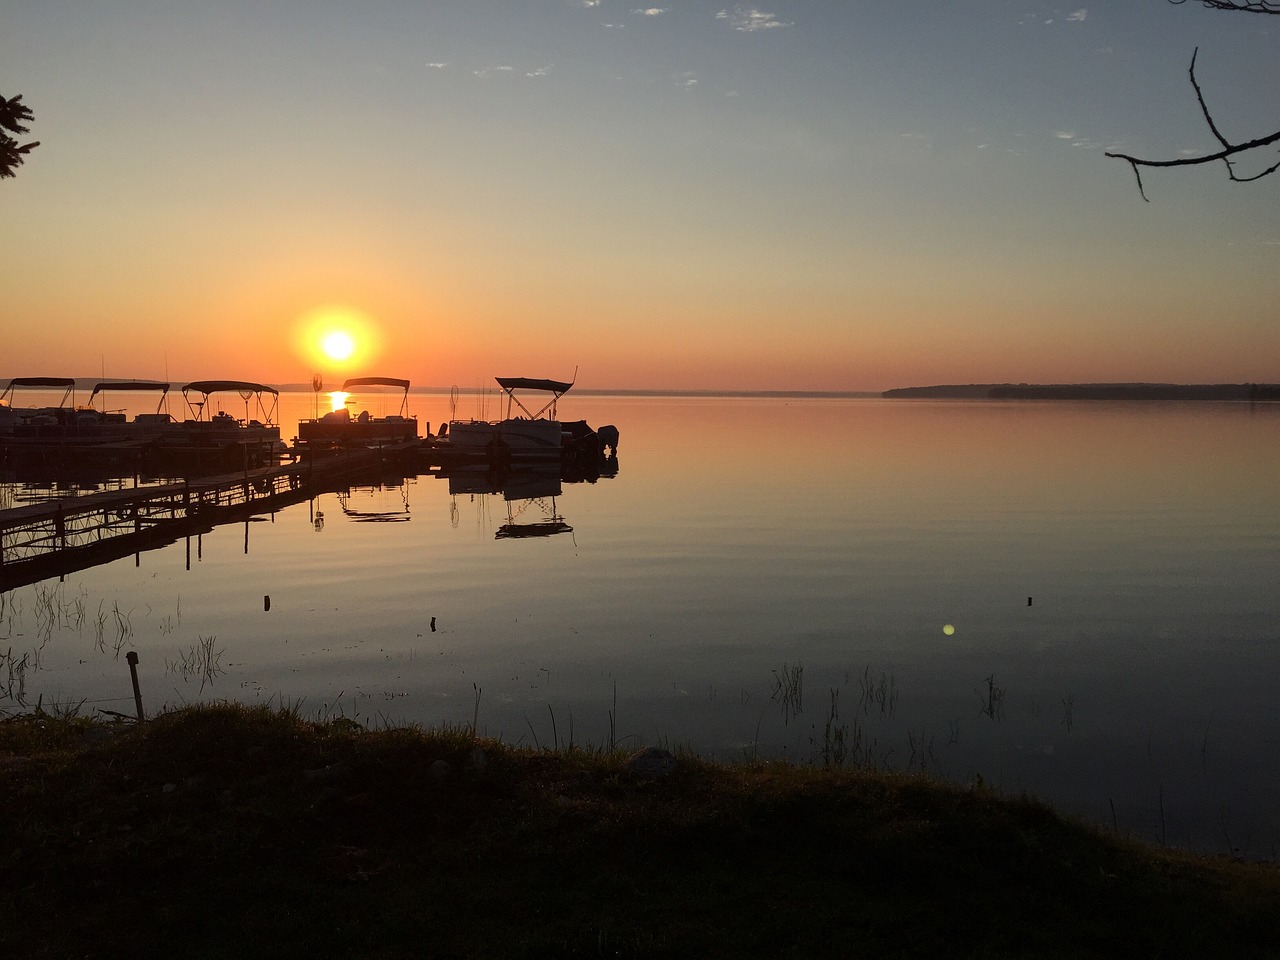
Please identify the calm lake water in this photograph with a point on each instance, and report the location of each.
(1080, 600)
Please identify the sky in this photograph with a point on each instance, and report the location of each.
(802, 195)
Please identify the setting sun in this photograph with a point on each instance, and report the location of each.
(338, 345)
(336, 337)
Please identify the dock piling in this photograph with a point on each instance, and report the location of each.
(132, 658)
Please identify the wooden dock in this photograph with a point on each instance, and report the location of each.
(59, 536)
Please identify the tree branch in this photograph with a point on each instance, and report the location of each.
(1240, 6)
(1229, 149)
(12, 114)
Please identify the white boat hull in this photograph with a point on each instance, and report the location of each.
(524, 439)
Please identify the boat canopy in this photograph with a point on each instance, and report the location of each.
(246, 388)
(66, 383)
(128, 385)
(131, 385)
(382, 382)
(40, 382)
(375, 382)
(557, 389)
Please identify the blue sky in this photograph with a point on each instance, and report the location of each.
(805, 195)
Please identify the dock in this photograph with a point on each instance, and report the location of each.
(55, 537)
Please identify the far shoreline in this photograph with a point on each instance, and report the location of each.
(1251, 392)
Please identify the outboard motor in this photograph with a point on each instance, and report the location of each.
(608, 435)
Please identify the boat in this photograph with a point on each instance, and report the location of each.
(113, 423)
(339, 428)
(70, 439)
(69, 421)
(17, 421)
(537, 436)
(251, 440)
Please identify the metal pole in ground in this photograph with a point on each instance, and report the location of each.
(132, 658)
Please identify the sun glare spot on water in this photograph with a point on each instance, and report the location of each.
(338, 400)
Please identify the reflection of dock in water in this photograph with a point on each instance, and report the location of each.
(59, 536)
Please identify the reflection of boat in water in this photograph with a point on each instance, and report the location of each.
(362, 504)
(339, 428)
(538, 528)
(536, 437)
(529, 494)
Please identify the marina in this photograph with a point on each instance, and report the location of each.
(66, 437)
(214, 467)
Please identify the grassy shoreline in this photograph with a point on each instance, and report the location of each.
(230, 831)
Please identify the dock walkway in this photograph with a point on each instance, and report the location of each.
(58, 536)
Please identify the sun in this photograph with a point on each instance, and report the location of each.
(335, 338)
(338, 345)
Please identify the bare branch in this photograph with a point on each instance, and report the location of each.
(1239, 6)
(1229, 149)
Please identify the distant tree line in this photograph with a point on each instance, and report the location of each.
(1090, 391)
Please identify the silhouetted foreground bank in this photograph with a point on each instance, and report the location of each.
(231, 832)
(1091, 391)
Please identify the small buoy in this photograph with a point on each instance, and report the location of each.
(433, 624)
(266, 603)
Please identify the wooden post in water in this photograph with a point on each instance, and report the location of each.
(132, 658)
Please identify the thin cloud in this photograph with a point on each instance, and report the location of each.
(650, 11)
(1078, 16)
(749, 20)
(494, 71)
(437, 65)
(1076, 140)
